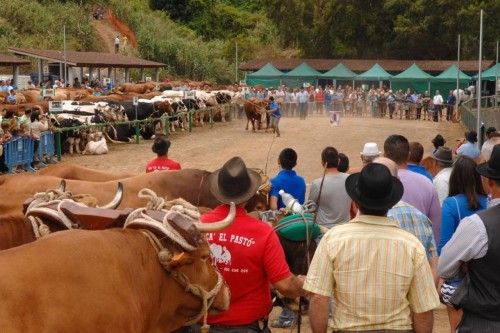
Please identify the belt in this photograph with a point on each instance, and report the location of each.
(257, 326)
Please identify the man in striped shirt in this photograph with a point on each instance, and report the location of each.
(376, 272)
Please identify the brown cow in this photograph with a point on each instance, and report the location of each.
(139, 88)
(254, 110)
(189, 184)
(116, 281)
(76, 172)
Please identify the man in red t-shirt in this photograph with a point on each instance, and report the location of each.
(247, 253)
(162, 162)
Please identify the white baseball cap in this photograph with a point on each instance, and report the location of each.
(370, 149)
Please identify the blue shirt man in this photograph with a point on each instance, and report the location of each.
(273, 105)
(303, 96)
(287, 180)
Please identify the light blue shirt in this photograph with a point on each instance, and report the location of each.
(469, 149)
(303, 97)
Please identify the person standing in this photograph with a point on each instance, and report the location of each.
(476, 245)
(437, 101)
(161, 162)
(329, 193)
(450, 105)
(303, 98)
(117, 44)
(275, 114)
(293, 184)
(349, 260)
(248, 254)
(469, 148)
(416, 154)
(418, 190)
(442, 164)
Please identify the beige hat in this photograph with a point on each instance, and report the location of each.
(370, 149)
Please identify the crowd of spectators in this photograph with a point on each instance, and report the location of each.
(377, 102)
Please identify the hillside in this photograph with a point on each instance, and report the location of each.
(197, 38)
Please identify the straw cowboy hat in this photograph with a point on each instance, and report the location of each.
(374, 187)
(234, 182)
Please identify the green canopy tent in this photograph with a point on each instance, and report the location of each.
(339, 73)
(447, 80)
(268, 76)
(413, 78)
(376, 73)
(490, 74)
(301, 74)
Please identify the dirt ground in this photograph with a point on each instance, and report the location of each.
(208, 149)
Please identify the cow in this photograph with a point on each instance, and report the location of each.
(77, 172)
(189, 184)
(139, 88)
(255, 110)
(118, 280)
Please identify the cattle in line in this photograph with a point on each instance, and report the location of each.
(139, 88)
(255, 110)
(47, 287)
(189, 184)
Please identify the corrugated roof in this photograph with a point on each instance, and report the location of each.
(361, 65)
(9, 60)
(88, 59)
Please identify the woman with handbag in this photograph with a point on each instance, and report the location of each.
(466, 197)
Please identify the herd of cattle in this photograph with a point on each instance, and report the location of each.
(81, 106)
(110, 278)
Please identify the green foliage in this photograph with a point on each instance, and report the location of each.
(29, 23)
(160, 39)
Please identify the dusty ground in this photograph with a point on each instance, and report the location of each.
(207, 148)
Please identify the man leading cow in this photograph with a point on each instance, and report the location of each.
(248, 254)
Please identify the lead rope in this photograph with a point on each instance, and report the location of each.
(207, 298)
(139, 216)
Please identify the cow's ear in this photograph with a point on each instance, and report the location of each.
(180, 259)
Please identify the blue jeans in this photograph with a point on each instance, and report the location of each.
(287, 315)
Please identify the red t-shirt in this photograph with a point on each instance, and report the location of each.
(249, 256)
(162, 163)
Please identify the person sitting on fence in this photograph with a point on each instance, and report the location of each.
(161, 162)
(38, 125)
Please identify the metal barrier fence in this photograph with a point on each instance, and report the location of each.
(490, 114)
(46, 147)
(19, 152)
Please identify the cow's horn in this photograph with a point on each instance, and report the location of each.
(62, 185)
(216, 226)
(117, 199)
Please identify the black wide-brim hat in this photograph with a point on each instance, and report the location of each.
(374, 187)
(491, 169)
(234, 182)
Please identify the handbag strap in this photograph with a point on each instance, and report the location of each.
(458, 209)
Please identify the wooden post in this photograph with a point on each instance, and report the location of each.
(157, 74)
(15, 75)
(142, 74)
(127, 74)
(40, 71)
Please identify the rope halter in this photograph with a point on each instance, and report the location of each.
(175, 210)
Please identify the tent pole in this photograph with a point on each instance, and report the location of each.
(458, 76)
(478, 125)
(497, 85)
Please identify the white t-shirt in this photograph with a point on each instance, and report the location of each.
(437, 100)
(117, 41)
(442, 184)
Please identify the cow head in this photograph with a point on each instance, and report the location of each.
(185, 254)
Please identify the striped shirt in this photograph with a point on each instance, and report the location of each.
(376, 273)
(415, 222)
